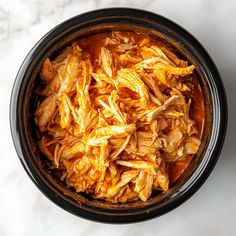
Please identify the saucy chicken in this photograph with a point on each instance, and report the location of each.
(120, 115)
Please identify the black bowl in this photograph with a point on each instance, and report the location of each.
(23, 104)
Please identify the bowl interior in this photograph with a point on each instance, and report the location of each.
(36, 158)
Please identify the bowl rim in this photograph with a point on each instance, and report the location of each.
(121, 218)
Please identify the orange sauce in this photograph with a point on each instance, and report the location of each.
(197, 112)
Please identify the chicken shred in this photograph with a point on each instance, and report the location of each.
(114, 114)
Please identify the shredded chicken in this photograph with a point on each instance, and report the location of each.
(115, 114)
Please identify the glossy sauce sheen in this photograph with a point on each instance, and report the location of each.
(93, 43)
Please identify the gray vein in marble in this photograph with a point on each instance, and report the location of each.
(4, 24)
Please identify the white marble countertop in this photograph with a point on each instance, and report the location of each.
(25, 211)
